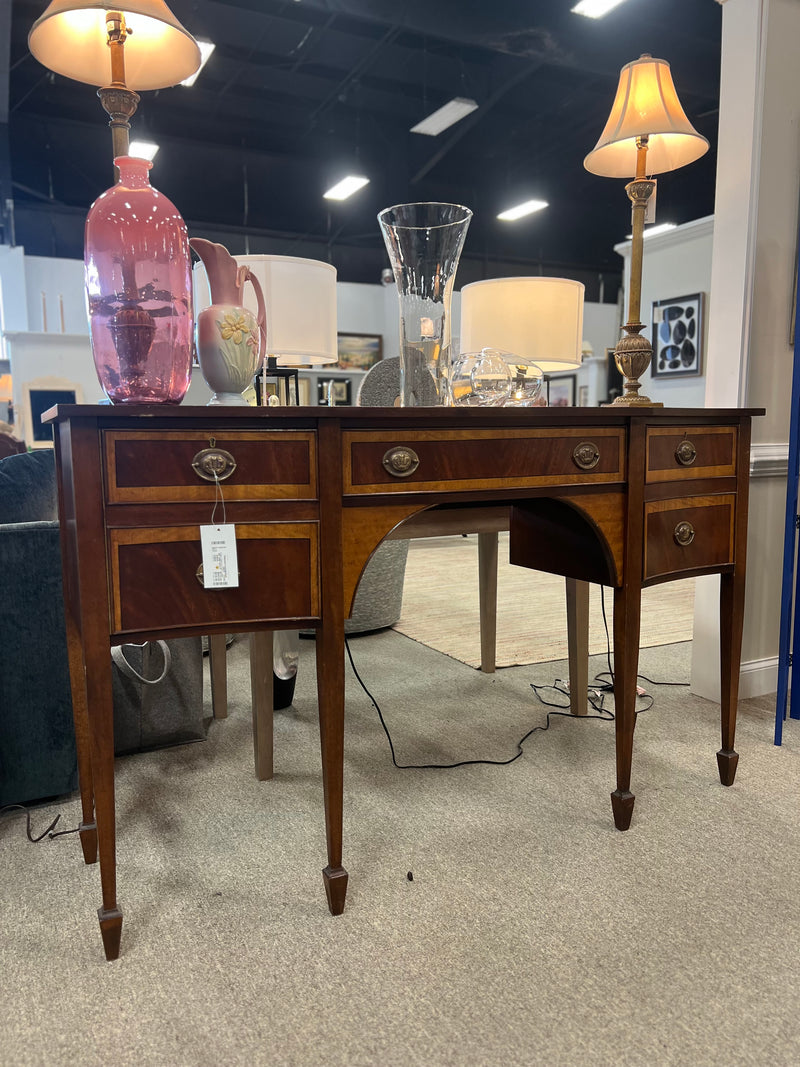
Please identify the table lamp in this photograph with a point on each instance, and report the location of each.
(538, 320)
(138, 45)
(300, 298)
(647, 133)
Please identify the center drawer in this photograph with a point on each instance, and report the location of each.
(151, 466)
(154, 582)
(443, 461)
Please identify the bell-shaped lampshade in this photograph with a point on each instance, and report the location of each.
(70, 39)
(538, 318)
(300, 298)
(646, 104)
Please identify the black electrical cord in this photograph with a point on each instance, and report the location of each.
(602, 714)
(609, 686)
(46, 833)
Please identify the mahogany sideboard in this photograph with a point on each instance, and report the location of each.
(619, 496)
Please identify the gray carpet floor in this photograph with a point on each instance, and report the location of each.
(532, 932)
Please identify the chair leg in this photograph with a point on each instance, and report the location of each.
(487, 590)
(219, 676)
(578, 645)
(261, 696)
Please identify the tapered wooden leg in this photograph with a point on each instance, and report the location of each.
(330, 691)
(101, 727)
(627, 606)
(87, 831)
(731, 606)
(578, 645)
(487, 592)
(218, 671)
(261, 697)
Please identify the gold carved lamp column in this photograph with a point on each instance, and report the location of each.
(137, 45)
(647, 133)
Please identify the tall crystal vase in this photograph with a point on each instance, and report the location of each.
(424, 242)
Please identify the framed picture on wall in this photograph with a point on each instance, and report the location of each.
(677, 336)
(561, 391)
(338, 389)
(583, 396)
(359, 351)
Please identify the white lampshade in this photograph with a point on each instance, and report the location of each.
(300, 297)
(646, 104)
(538, 318)
(70, 38)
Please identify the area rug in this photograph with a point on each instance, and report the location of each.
(440, 606)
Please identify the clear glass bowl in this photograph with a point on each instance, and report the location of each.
(527, 381)
(480, 379)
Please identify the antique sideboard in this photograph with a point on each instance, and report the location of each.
(619, 496)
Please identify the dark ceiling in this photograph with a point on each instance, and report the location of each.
(300, 92)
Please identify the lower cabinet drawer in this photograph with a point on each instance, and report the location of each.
(693, 533)
(155, 582)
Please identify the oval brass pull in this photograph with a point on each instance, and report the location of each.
(214, 464)
(401, 461)
(684, 534)
(586, 455)
(686, 453)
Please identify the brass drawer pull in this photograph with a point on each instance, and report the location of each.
(686, 453)
(214, 464)
(401, 461)
(684, 534)
(586, 455)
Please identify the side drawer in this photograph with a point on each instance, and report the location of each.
(697, 452)
(450, 460)
(693, 533)
(154, 581)
(152, 466)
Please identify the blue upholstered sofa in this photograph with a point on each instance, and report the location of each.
(37, 740)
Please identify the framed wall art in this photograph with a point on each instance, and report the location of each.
(333, 390)
(677, 336)
(561, 391)
(359, 351)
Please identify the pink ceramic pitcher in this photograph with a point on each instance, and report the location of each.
(230, 339)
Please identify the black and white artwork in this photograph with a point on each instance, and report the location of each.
(677, 335)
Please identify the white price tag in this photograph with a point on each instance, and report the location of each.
(220, 568)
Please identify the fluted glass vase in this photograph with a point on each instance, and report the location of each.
(139, 291)
(424, 242)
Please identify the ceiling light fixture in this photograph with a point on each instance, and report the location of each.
(143, 149)
(447, 115)
(206, 48)
(595, 9)
(346, 187)
(521, 210)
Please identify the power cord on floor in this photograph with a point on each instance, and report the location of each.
(46, 833)
(595, 698)
(603, 714)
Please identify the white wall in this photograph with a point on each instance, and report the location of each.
(753, 273)
(676, 263)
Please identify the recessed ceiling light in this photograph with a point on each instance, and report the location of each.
(448, 114)
(595, 9)
(521, 210)
(346, 187)
(206, 48)
(143, 149)
(653, 230)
